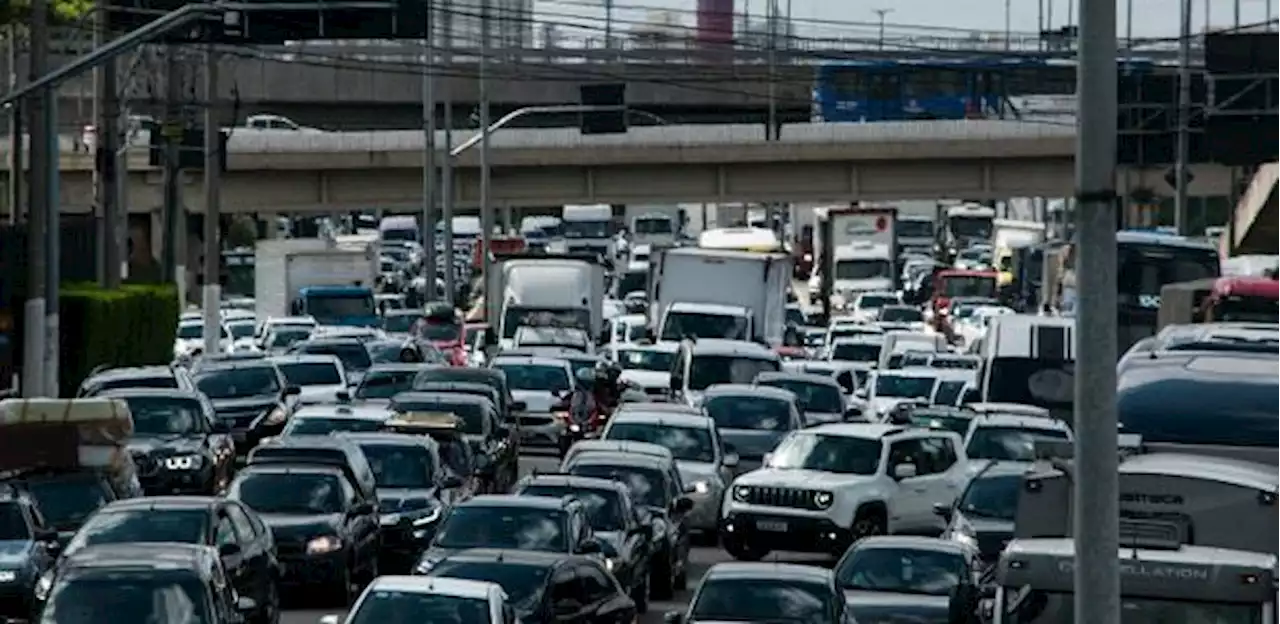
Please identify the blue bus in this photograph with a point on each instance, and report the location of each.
(904, 90)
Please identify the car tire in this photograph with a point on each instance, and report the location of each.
(661, 583)
(866, 523)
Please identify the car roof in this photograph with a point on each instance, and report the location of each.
(145, 555)
(1020, 421)
(531, 359)
(1002, 468)
(532, 558)
(417, 396)
(292, 469)
(870, 431)
(352, 411)
(387, 438)
(152, 393)
(736, 348)
(618, 458)
(305, 358)
(821, 380)
(768, 570)
(762, 392)
(462, 373)
(435, 585)
(872, 338)
(574, 481)
(216, 364)
(665, 346)
(673, 419)
(307, 441)
(132, 372)
(655, 406)
(399, 367)
(1017, 409)
(152, 503)
(512, 500)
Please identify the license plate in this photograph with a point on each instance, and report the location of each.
(773, 526)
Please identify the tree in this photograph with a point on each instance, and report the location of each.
(61, 12)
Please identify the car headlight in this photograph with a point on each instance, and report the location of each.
(8, 576)
(183, 462)
(432, 515)
(43, 586)
(823, 500)
(610, 564)
(701, 487)
(276, 416)
(741, 493)
(324, 545)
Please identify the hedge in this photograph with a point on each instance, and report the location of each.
(133, 325)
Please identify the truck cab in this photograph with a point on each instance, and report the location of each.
(962, 283)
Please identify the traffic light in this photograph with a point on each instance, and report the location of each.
(604, 122)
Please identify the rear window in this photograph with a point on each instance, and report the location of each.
(749, 412)
(1213, 410)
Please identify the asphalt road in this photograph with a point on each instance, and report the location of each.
(700, 560)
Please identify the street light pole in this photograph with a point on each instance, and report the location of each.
(446, 172)
(1181, 170)
(881, 13)
(486, 215)
(429, 156)
(1008, 25)
(211, 298)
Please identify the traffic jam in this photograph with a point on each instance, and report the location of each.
(865, 418)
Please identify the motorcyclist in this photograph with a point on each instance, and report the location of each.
(582, 403)
(606, 388)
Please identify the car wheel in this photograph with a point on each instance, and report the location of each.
(867, 523)
(660, 581)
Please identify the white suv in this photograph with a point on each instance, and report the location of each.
(1012, 437)
(825, 487)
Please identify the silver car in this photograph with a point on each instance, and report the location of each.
(820, 396)
(752, 420)
(705, 465)
(543, 384)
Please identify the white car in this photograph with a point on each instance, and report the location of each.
(647, 367)
(320, 378)
(190, 339)
(825, 487)
(627, 329)
(866, 306)
(1008, 437)
(468, 599)
(885, 389)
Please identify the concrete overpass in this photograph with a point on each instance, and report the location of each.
(331, 172)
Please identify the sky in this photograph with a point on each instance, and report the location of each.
(1154, 18)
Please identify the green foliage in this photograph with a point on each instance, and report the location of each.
(130, 326)
(60, 11)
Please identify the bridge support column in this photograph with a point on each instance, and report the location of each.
(508, 219)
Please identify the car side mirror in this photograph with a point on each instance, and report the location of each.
(904, 471)
(245, 604)
(451, 482)
(519, 406)
(684, 504)
(292, 391)
(673, 617)
(677, 383)
(731, 460)
(229, 550)
(590, 546)
(942, 510)
(343, 396)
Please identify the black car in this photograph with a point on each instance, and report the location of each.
(353, 352)
(179, 444)
(766, 592)
(66, 498)
(326, 534)
(102, 379)
(493, 378)
(251, 397)
(241, 540)
(664, 508)
(415, 491)
(405, 351)
(27, 552)
(546, 587)
(383, 381)
(512, 522)
(322, 450)
(615, 521)
(480, 425)
(160, 582)
(983, 515)
(910, 579)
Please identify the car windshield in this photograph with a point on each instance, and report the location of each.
(66, 502)
(13, 523)
(941, 420)
(540, 377)
(400, 323)
(142, 597)
(440, 332)
(305, 494)
(190, 331)
(875, 302)
(283, 337)
(182, 526)
(1009, 443)
(708, 370)
(241, 329)
(645, 360)
(354, 355)
(470, 415)
(862, 269)
(322, 425)
(900, 314)
(166, 416)
(522, 583)
(827, 453)
(763, 600)
(687, 443)
(587, 229)
(993, 497)
(749, 412)
(813, 397)
(681, 325)
(520, 528)
(904, 386)
(855, 352)
(968, 286)
(311, 373)
(385, 384)
(339, 307)
(901, 570)
(647, 485)
(385, 606)
(400, 465)
(604, 508)
(948, 392)
(236, 383)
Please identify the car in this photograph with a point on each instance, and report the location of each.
(422, 599)
(983, 515)
(475, 419)
(280, 337)
(179, 445)
(554, 337)
(900, 317)
(103, 379)
(922, 578)
(752, 419)
(649, 471)
(615, 521)
(352, 351)
(534, 523)
(323, 450)
(828, 486)
(383, 381)
(319, 378)
(860, 349)
(31, 548)
(941, 417)
(820, 398)
(543, 385)
(885, 389)
(327, 419)
(545, 587)
(415, 490)
(326, 533)
(866, 306)
(508, 405)
(189, 339)
(703, 363)
(1011, 438)
(244, 544)
(409, 350)
(705, 462)
(251, 397)
(764, 592)
(646, 366)
(66, 498)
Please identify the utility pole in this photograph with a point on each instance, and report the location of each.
(211, 295)
(608, 24)
(1008, 25)
(34, 383)
(52, 243)
(1181, 166)
(772, 130)
(429, 155)
(106, 146)
(1097, 492)
(1128, 30)
(1040, 23)
(881, 13)
(486, 215)
(16, 130)
(446, 173)
(172, 130)
(1236, 9)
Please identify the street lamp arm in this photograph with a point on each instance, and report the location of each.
(519, 113)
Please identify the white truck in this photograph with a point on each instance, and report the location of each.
(544, 291)
(716, 293)
(654, 224)
(316, 277)
(857, 252)
(586, 229)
